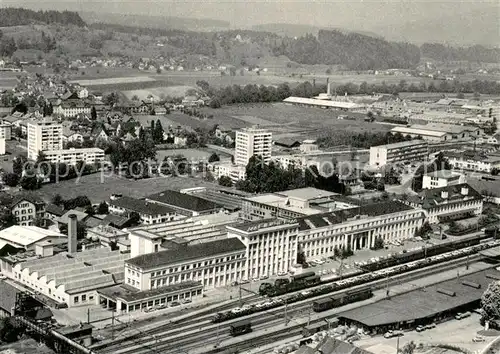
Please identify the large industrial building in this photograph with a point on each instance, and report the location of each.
(30, 237)
(406, 151)
(434, 132)
(322, 103)
(291, 204)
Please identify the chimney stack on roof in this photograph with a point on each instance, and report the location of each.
(465, 191)
(72, 231)
(444, 194)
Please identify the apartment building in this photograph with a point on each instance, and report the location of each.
(270, 246)
(213, 264)
(357, 228)
(406, 151)
(235, 172)
(44, 135)
(250, 142)
(72, 156)
(5, 131)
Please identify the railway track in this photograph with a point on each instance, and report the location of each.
(202, 333)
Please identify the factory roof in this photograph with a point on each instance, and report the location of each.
(141, 206)
(183, 201)
(27, 235)
(307, 193)
(340, 216)
(252, 226)
(187, 253)
(422, 132)
(419, 304)
(323, 103)
(402, 144)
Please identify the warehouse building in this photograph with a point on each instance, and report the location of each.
(30, 237)
(149, 212)
(434, 132)
(313, 102)
(185, 204)
(432, 304)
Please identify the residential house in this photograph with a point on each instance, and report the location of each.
(476, 161)
(26, 208)
(225, 134)
(192, 101)
(53, 212)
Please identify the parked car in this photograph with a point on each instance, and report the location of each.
(264, 277)
(149, 309)
(478, 339)
(430, 326)
(391, 333)
(174, 304)
(281, 274)
(186, 301)
(420, 328)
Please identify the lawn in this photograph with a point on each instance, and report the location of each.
(190, 154)
(99, 187)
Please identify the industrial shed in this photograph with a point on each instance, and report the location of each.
(423, 306)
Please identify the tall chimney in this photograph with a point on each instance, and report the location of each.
(314, 82)
(72, 225)
(328, 86)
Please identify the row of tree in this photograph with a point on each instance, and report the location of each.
(269, 178)
(10, 16)
(359, 140)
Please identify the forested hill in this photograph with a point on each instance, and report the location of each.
(476, 53)
(17, 17)
(354, 50)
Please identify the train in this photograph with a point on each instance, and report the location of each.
(342, 299)
(239, 328)
(295, 283)
(359, 278)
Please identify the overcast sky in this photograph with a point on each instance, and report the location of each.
(452, 19)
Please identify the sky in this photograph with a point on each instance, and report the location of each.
(467, 21)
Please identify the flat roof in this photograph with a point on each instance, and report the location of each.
(252, 226)
(491, 252)
(187, 253)
(27, 235)
(141, 206)
(443, 174)
(129, 293)
(423, 132)
(184, 201)
(402, 144)
(307, 193)
(419, 304)
(325, 103)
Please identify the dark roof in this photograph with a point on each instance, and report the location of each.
(287, 142)
(339, 216)
(30, 197)
(7, 296)
(200, 250)
(184, 201)
(43, 314)
(141, 206)
(418, 304)
(54, 210)
(430, 198)
(115, 220)
(128, 293)
(92, 221)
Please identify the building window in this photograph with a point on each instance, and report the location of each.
(75, 299)
(84, 298)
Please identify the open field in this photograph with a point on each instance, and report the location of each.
(113, 80)
(99, 186)
(158, 92)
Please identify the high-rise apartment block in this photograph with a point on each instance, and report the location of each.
(44, 135)
(250, 142)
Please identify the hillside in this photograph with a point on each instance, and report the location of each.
(293, 30)
(158, 22)
(18, 16)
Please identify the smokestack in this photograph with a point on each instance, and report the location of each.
(314, 82)
(328, 86)
(72, 225)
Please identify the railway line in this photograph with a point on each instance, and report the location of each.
(204, 333)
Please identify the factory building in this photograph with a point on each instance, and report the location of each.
(435, 132)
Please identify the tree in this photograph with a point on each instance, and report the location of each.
(158, 132)
(494, 171)
(103, 208)
(11, 179)
(8, 333)
(301, 257)
(18, 164)
(7, 219)
(379, 243)
(57, 200)
(225, 181)
(409, 348)
(89, 210)
(135, 218)
(424, 230)
(39, 222)
(490, 302)
(93, 113)
(30, 183)
(111, 99)
(213, 158)
(215, 103)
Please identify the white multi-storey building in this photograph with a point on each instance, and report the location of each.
(72, 156)
(271, 246)
(44, 135)
(5, 130)
(406, 151)
(250, 142)
(442, 178)
(357, 228)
